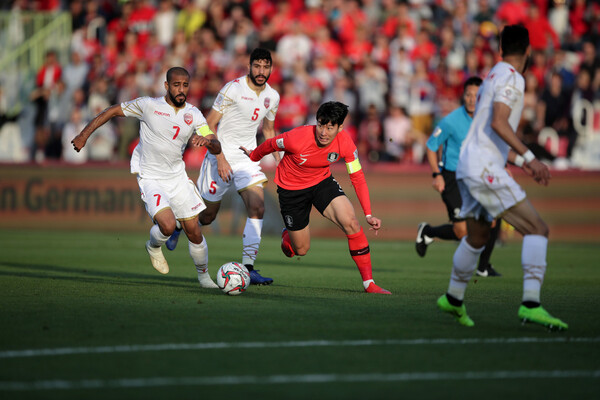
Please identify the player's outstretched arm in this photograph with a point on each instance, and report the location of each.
(269, 132)
(210, 141)
(80, 140)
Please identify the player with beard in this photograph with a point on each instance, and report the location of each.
(238, 111)
(166, 125)
(488, 191)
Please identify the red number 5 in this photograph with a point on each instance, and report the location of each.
(176, 131)
(255, 115)
(213, 187)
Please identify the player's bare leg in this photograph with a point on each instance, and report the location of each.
(527, 221)
(254, 200)
(159, 233)
(198, 251)
(341, 212)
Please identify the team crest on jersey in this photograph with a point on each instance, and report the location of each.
(267, 102)
(332, 157)
(187, 117)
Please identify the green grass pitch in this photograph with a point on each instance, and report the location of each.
(84, 316)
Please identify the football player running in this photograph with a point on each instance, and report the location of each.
(488, 191)
(236, 115)
(304, 180)
(166, 125)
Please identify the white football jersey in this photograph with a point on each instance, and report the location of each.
(243, 111)
(164, 134)
(483, 148)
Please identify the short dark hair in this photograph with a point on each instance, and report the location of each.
(261, 54)
(514, 40)
(472, 81)
(176, 71)
(332, 111)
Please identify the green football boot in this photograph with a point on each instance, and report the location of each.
(460, 313)
(540, 316)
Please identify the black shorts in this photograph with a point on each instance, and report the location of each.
(451, 195)
(296, 205)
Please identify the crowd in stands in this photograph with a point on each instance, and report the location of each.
(399, 64)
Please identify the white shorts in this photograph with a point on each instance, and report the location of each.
(489, 195)
(244, 175)
(179, 194)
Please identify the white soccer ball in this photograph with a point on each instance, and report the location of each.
(233, 278)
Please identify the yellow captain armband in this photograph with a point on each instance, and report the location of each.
(353, 166)
(203, 130)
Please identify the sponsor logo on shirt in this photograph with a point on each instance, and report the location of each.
(162, 114)
(267, 102)
(247, 98)
(333, 157)
(187, 117)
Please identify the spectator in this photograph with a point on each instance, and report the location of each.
(370, 135)
(47, 77)
(540, 30)
(165, 22)
(397, 135)
(371, 83)
(71, 129)
(77, 72)
(553, 110)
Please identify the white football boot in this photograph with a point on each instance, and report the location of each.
(159, 262)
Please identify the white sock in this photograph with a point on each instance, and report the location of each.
(251, 240)
(533, 258)
(464, 264)
(199, 253)
(367, 283)
(157, 239)
(177, 224)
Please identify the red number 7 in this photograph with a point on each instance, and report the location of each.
(176, 131)
(157, 199)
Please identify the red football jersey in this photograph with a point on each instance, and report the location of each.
(305, 164)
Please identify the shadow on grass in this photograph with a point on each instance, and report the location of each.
(45, 271)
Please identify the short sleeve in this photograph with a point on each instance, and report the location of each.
(135, 108)
(225, 99)
(273, 110)
(510, 91)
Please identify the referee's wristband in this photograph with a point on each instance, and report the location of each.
(528, 156)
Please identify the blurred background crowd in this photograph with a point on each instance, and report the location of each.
(399, 64)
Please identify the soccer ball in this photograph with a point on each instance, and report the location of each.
(233, 278)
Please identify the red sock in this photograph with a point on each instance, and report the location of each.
(359, 250)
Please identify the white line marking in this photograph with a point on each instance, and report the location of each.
(286, 379)
(61, 351)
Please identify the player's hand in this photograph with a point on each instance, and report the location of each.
(198, 141)
(78, 142)
(538, 171)
(374, 222)
(245, 150)
(224, 168)
(439, 184)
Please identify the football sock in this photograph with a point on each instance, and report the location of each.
(199, 253)
(361, 254)
(157, 239)
(464, 264)
(533, 258)
(251, 241)
(445, 232)
(178, 225)
(453, 300)
(484, 258)
(531, 304)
